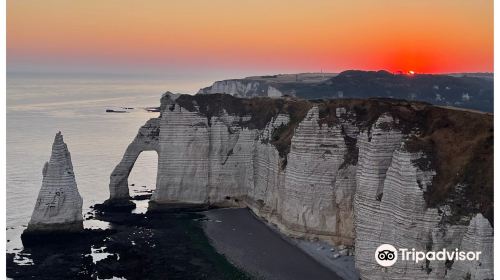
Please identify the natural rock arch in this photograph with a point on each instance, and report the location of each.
(147, 139)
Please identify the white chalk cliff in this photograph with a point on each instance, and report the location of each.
(59, 204)
(343, 176)
(242, 88)
(268, 86)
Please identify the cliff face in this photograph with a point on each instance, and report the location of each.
(59, 204)
(242, 88)
(268, 86)
(352, 172)
(471, 91)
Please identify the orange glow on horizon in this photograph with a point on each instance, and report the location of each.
(302, 35)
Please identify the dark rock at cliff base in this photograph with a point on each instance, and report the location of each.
(176, 207)
(142, 196)
(140, 246)
(40, 239)
(115, 205)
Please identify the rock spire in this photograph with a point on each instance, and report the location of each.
(59, 204)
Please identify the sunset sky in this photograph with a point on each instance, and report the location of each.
(259, 36)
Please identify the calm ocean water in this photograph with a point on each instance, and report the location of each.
(39, 106)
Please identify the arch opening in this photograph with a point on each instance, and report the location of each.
(142, 180)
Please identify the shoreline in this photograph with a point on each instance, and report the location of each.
(136, 244)
(259, 248)
(287, 257)
(321, 251)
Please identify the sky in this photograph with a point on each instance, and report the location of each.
(192, 37)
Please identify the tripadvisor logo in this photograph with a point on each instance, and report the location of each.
(386, 255)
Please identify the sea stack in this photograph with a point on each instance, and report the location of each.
(58, 208)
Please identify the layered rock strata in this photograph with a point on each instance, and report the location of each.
(58, 207)
(270, 86)
(242, 88)
(351, 172)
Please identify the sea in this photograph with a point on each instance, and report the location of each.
(40, 105)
